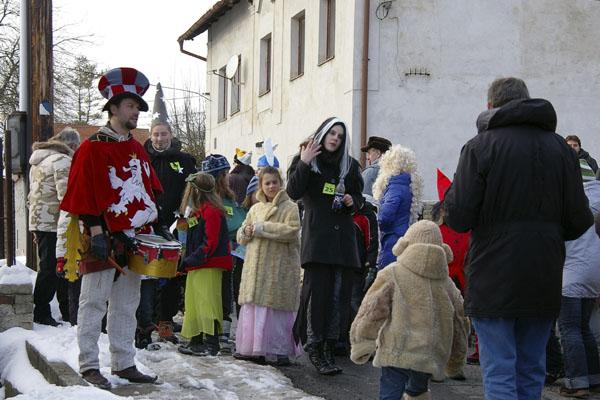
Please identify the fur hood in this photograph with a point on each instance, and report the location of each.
(42, 150)
(427, 260)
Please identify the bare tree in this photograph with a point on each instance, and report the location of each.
(65, 55)
(76, 98)
(9, 58)
(189, 126)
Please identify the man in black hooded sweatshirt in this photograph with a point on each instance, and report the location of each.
(518, 188)
(172, 167)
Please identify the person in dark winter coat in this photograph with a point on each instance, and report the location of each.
(518, 188)
(241, 174)
(575, 143)
(172, 166)
(328, 182)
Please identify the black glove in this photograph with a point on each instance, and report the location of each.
(99, 247)
(370, 278)
(163, 230)
(129, 242)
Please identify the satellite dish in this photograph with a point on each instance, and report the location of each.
(232, 67)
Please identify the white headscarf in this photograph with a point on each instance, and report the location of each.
(345, 161)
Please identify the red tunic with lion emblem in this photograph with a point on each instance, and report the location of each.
(115, 180)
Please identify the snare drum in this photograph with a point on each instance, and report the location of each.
(156, 256)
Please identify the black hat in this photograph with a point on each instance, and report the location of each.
(376, 142)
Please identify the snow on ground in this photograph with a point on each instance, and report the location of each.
(180, 376)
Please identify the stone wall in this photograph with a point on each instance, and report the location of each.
(16, 306)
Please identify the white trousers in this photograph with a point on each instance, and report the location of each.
(123, 297)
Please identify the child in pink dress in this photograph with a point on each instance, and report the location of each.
(270, 286)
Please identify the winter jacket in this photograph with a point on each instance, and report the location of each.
(584, 155)
(369, 176)
(328, 236)
(271, 273)
(50, 163)
(412, 316)
(172, 166)
(393, 216)
(581, 275)
(518, 188)
(207, 244)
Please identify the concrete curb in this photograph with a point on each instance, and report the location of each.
(55, 372)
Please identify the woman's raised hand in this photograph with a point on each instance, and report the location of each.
(310, 151)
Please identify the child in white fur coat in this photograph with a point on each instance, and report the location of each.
(412, 318)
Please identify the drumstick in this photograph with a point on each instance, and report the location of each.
(117, 266)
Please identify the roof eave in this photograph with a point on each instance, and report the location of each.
(205, 21)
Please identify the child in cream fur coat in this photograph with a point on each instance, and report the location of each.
(412, 317)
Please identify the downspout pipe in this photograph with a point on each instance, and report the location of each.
(189, 53)
(364, 82)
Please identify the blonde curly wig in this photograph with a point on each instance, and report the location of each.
(395, 161)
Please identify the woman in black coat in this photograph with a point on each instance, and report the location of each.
(328, 182)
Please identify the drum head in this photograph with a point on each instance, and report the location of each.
(157, 241)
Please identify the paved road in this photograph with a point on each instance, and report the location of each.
(361, 382)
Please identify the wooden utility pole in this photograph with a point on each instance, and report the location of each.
(42, 98)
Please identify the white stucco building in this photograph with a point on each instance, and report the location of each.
(429, 65)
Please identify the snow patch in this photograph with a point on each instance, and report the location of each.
(17, 274)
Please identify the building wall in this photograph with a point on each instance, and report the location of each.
(293, 109)
(464, 45)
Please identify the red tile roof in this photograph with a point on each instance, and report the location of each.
(141, 135)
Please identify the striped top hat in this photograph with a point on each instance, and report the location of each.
(123, 82)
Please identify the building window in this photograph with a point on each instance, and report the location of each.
(222, 95)
(265, 65)
(235, 89)
(297, 53)
(326, 30)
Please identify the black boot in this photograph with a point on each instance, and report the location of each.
(315, 355)
(195, 347)
(329, 355)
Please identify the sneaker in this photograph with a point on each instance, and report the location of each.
(46, 321)
(95, 378)
(133, 375)
(583, 393)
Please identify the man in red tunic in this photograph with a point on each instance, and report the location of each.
(112, 190)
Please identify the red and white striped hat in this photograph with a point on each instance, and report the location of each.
(119, 83)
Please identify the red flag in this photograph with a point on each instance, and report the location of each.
(443, 183)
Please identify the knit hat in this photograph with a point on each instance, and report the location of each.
(120, 83)
(214, 163)
(426, 232)
(242, 157)
(252, 185)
